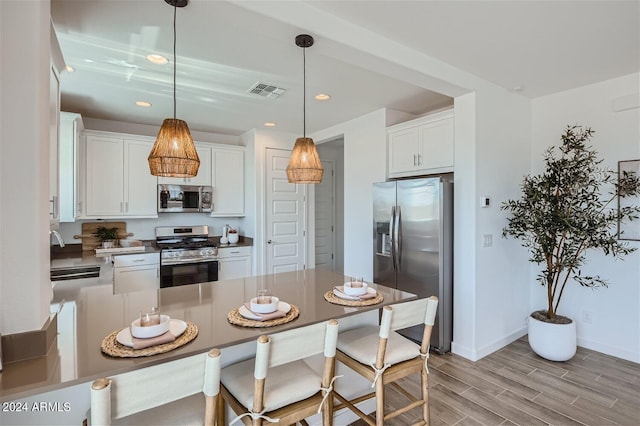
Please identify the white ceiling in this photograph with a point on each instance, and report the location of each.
(534, 48)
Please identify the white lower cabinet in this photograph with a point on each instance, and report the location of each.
(136, 272)
(234, 262)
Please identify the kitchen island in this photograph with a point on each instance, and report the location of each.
(90, 313)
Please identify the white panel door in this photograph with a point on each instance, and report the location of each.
(285, 216)
(325, 219)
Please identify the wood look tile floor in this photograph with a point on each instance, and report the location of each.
(513, 386)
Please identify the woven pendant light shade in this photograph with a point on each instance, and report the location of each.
(174, 154)
(304, 164)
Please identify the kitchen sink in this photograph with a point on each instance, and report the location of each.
(75, 273)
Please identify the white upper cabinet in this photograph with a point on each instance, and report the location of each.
(54, 144)
(118, 182)
(422, 146)
(141, 187)
(56, 64)
(70, 128)
(204, 171)
(228, 181)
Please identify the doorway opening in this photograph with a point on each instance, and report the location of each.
(329, 207)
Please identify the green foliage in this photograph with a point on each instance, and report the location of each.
(562, 213)
(106, 234)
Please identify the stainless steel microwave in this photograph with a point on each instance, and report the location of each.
(184, 198)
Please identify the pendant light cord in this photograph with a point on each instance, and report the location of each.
(304, 92)
(175, 8)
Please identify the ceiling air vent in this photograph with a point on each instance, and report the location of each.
(266, 90)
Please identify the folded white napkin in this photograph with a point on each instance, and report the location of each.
(152, 341)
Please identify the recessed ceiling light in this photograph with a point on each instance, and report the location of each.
(270, 124)
(157, 59)
(143, 104)
(322, 97)
(69, 68)
(89, 61)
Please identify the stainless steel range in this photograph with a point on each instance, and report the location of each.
(187, 256)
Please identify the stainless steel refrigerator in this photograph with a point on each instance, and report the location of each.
(413, 246)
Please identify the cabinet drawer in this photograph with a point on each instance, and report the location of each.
(139, 259)
(227, 252)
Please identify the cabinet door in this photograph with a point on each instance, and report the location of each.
(234, 267)
(228, 182)
(140, 186)
(436, 146)
(70, 127)
(105, 177)
(54, 144)
(136, 278)
(403, 150)
(204, 171)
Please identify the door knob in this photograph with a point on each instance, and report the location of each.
(269, 242)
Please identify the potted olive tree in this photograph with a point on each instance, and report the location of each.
(107, 236)
(564, 212)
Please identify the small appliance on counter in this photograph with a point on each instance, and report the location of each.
(224, 239)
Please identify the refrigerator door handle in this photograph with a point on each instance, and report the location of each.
(398, 227)
(392, 224)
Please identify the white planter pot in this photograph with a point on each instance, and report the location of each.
(555, 342)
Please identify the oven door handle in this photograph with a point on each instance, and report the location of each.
(186, 261)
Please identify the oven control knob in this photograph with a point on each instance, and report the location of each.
(206, 252)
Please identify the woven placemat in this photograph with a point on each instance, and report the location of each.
(235, 318)
(112, 347)
(332, 298)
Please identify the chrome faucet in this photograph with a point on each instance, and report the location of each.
(58, 237)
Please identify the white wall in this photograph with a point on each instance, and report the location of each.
(144, 229)
(491, 297)
(365, 162)
(24, 165)
(615, 311)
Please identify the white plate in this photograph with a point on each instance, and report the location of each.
(282, 306)
(176, 327)
(345, 296)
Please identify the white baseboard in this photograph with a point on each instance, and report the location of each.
(616, 351)
(479, 353)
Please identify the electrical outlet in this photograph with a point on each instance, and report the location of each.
(587, 317)
(487, 240)
(525, 321)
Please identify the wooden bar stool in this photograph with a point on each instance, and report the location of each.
(165, 394)
(277, 386)
(383, 357)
